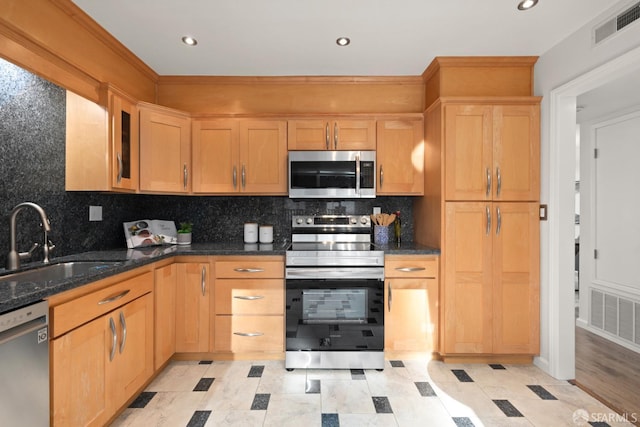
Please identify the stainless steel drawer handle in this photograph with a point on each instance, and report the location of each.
(389, 297)
(249, 297)
(114, 338)
(249, 334)
(123, 322)
(203, 281)
(235, 177)
(113, 298)
(185, 176)
(120, 168)
(488, 182)
(249, 270)
(410, 269)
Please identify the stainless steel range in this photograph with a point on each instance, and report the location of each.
(334, 294)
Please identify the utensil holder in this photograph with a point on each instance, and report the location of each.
(381, 234)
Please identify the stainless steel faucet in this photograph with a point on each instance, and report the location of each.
(14, 257)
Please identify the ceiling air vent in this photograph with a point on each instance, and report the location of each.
(617, 23)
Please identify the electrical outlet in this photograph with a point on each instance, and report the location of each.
(376, 210)
(95, 213)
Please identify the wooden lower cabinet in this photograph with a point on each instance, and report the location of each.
(249, 306)
(491, 278)
(193, 307)
(411, 304)
(165, 288)
(98, 366)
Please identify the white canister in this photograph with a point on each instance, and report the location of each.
(266, 234)
(251, 232)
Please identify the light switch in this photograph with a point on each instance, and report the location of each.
(95, 213)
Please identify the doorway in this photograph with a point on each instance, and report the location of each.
(563, 103)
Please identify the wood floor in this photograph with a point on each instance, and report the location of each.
(609, 372)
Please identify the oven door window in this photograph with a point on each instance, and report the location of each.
(334, 305)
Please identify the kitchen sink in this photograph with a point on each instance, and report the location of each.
(55, 272)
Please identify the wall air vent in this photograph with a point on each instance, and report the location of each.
(616, 23)
(616, 315)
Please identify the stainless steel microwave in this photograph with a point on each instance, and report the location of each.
(332, 174)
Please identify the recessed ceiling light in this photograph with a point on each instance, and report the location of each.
(527, 4)
(189, 41)
(343, 41)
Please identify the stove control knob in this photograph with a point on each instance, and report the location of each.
(299, 221)
(309, 220)
(364, 220)
(353, 220)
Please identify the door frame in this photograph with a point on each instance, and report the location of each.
(562, 159)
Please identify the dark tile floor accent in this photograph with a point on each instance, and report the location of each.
(199, 419)
(463, 422)
(382, 405)
(496, 366)
(358, 374)
(542, 392)
(599, 424)
(425, 389)
(330, 420)
(462, 375)
(205, 362)
(204, 384)
(508, 408)
(312, 387)
(256, 371)
(260, 402)
(143, 399)
(396, 363)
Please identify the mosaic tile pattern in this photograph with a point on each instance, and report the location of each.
(419, 393)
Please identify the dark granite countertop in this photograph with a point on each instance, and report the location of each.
(119, 261)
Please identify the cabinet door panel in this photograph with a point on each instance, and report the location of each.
(134, 359)
(215, 156)
(125, 146)
(263, 156)
(516, 301)
(353, 135)
(411, 320)
(400, 157)
(79, 367)
(165, 152)
(516, 155)
(307, 135)
(192, 307)
(468, 279)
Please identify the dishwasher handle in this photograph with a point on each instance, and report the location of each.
(23, 329)
(25, 320)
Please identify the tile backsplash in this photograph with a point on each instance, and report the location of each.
(32, 154)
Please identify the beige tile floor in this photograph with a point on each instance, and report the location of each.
(409, 393)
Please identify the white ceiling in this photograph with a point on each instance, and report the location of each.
(297, 37)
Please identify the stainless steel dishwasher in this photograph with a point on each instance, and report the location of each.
(24, 366)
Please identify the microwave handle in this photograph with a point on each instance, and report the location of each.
(358, 174)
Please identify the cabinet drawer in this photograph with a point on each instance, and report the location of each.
(418, 266)
(249, 269)
(242, 334)
(253, 296)
(74, 313)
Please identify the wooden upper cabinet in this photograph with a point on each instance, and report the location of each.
(400, 157)
(516, 152)
(240, 156)
(263, 157)
(492, 152)
(215, 156)
(165, 150)
(331, 134)
(123, 134)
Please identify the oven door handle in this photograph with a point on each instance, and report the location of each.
(375, 273)
(389, 296)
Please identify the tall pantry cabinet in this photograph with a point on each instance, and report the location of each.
(481, 207)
